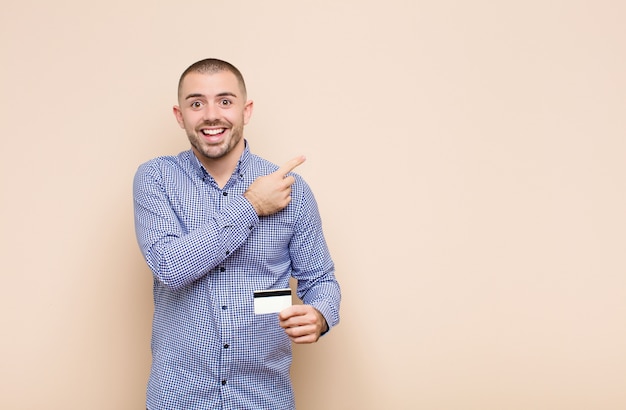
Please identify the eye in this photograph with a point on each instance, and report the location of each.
(196, 104)
(225, 102)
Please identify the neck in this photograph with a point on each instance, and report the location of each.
(222, 168)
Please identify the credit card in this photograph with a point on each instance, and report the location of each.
(271, 301)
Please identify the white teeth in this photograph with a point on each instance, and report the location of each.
(213, 132)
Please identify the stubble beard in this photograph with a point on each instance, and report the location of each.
(216, 151)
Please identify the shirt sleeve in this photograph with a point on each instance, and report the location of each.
(176, 257)
(312, 264)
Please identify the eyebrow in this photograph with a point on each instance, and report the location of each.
(198, 95)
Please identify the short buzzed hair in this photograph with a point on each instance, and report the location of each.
(212, 66)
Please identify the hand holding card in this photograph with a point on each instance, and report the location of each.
(302, 323)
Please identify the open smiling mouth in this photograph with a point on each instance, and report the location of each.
(213, 132)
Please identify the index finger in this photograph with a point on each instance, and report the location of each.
(290, 165)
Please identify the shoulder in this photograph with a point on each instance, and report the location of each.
(164, 170)
(166, 164)
(261, 166)
(181, 160)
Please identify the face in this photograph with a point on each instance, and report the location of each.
(213, 111)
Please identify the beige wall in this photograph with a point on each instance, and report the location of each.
(468, 158)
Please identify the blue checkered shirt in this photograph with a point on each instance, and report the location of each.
(209, 251)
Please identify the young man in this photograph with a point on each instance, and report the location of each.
(217, 223)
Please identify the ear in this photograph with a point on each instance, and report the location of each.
(179, 116)
(247, 111)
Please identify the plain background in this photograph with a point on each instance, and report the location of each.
(467, 157)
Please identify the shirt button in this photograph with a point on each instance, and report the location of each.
(224, 307)
(222, 269)
(226, 346)
(227, 252)
(223, 382)
(225, 193)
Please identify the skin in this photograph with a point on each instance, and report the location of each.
(215, 103)
(302, 323)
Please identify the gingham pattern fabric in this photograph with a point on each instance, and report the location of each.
(209, 251)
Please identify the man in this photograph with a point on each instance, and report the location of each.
(217, 223)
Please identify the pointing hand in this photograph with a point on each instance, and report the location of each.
(271, 193)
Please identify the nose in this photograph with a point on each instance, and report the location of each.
(210, 113)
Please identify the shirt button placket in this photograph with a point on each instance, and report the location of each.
(226, 358)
